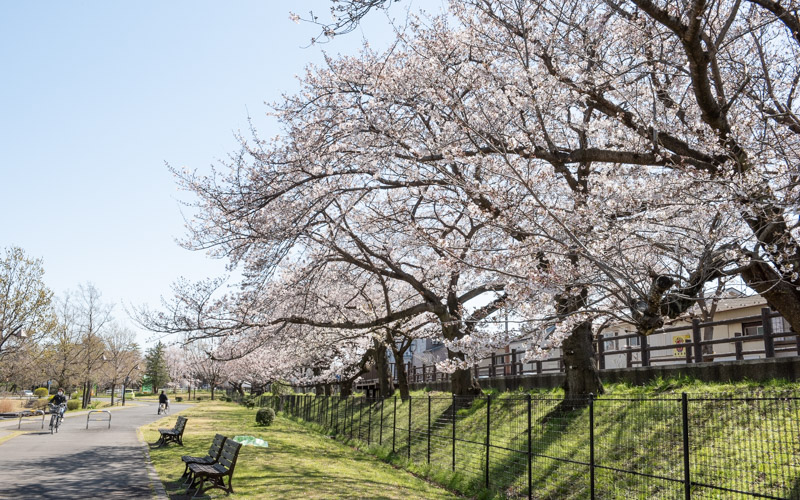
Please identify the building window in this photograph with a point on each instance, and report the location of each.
(753, 328)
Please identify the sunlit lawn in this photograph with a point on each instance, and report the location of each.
(299, 463)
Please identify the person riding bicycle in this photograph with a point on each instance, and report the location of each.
(163, 400)
(60, 399)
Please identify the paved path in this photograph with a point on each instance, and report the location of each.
(79, 463)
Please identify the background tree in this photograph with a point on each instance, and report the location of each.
(25, 310)
(156, 369)
(62, 349)
(93, 316)
(121, 356)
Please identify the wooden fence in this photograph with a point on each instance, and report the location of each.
(769, 344)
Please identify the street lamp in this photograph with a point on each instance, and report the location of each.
(125, 385)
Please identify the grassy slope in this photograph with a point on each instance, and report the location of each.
(299, 463)
(734, 444)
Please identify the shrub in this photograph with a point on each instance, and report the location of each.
(265, 416)
(178, 399)
(73, 404)
(199, 398)
(249, 402)
(74, 395)
(228, 400)
(41, 392)
(7, 406)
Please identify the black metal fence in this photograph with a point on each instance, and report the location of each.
(610, 448)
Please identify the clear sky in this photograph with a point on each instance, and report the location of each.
(97, 96)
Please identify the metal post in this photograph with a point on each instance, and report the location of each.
(409, 428)
(739, 354)
(394, 424)
(429, 429)
(696, 339)
(769, 342)
(380, 438)
(488, 427)
(453, 411)
(591, 446)
(687, 483)
(530, 452)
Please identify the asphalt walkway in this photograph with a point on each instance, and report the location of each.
(80, 463)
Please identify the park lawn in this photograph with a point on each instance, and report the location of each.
(299, 462)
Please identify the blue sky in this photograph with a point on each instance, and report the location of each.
(97, 96)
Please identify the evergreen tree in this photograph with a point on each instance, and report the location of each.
(156, 371)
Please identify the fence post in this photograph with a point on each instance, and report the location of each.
(380, 434)
(394, 424)
(352, 403)
(769, 342)
(738, 345)
(530, 450)
(429, 429)
(601, 356)
(488, 436)
(369, 424)
(591, 446)
(628, 356)
(687, 483)
(409, 427)
(492, 367)
(645, 353)
(698, 349)
(453, 412)
(424, 373)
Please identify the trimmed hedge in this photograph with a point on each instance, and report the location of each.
(265, 416)
(40, 392)
(73, 404)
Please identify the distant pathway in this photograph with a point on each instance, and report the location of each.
(79, 463)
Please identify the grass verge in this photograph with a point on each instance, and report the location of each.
(299, 462)
(742, 436)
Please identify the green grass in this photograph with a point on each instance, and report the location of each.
(299, 462)
(744, 444)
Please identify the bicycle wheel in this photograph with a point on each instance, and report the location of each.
(52, 423)
(58, 422)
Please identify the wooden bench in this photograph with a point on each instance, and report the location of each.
(211, 458)
(216, 473)
(174, 435)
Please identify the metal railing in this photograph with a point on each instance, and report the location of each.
(682, 446)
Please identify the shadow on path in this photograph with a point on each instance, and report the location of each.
(75, 475)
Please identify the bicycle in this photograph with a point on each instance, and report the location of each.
(57, 415)
(163, 408)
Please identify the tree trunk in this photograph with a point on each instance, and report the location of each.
(327, 388)
(113, 386)
(582, 375)
(212, 392)
(780, 295)
(708, 334)
(382, 367)
(346, 388)
(462, 381)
